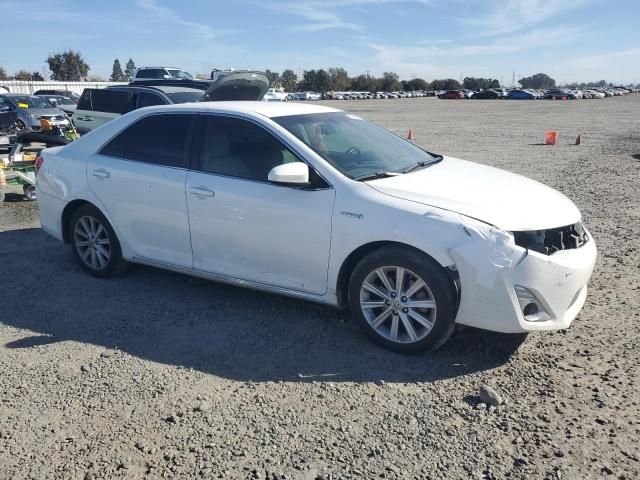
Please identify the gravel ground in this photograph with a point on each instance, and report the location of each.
(155, 374)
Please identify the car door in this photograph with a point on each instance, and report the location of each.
(244, 227)
(99, 106)
(139, 178)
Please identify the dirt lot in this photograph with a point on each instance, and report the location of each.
(160, 375)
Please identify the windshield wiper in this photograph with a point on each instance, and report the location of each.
(373, 176)
(422, 164)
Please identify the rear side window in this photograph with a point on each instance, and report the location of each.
(106, 100)
(111, 101)
(157, 139)
(150, 73)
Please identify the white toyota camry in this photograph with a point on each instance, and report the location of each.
(319, 204)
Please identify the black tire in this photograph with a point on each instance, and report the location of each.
(440, 290)
(29, 192)
(115, 263)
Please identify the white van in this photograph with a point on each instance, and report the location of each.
(160, 73)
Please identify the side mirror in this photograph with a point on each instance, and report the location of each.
(5, 108)
(166, 76)
(295, 173)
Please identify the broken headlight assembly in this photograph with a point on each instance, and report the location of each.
(553, 240)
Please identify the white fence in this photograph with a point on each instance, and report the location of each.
(19, 86)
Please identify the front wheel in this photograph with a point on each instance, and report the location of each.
(403, 300)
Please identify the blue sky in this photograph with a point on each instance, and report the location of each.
(571, 40)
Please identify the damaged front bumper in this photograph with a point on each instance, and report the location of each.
(510, 289)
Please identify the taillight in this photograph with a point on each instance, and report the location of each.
(39, 163)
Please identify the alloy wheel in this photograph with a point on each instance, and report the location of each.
(398, 304)
(92, 242)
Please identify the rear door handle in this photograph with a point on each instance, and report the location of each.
(202, 192)
(101, 173)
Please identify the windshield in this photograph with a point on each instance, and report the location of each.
(31, 102)
(180, 74)
(185, 97)
(55, 100)
(354, 146)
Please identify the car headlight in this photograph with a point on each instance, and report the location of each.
(31, 115)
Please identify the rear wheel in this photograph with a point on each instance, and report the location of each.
(402, 299)
(94, 243)
(29, 192)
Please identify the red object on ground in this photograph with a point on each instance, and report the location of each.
(410, 135)
(551, 138)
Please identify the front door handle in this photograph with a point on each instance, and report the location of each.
(85, 119)
(202, 192)
(101, 173)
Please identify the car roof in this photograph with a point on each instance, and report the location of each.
(169, 89)
(266, 109)
(146, 68)
(160, 88)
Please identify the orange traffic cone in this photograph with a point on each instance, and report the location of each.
(579, 139)
(410, 135)
(551, 138)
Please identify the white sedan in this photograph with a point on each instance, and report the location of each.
(319, 204)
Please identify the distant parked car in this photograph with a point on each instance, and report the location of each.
(594, 94)
(521, 95)
(452, 95)
(65, 104)
(486, 95)
(558, 94)
(307, 96)
(276, 95)
(64, 93)
(26, 111)
(159, 73)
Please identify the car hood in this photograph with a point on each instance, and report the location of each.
(239, 85)
(506, 200)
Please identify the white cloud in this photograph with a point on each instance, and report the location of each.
(199, 30)
(510, 16)
(321, 15)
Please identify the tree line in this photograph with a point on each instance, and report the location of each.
(71, 66)
(337, 80)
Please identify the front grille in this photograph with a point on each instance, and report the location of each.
(553, 240)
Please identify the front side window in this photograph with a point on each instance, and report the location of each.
(238, 148)
(180, 74)
(157, 139)
(146, 99)
(354, 146)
